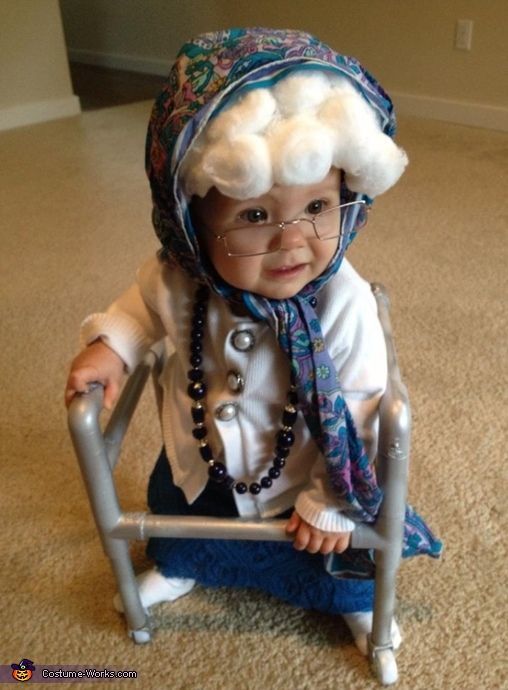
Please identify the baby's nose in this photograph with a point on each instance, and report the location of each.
(293, 235)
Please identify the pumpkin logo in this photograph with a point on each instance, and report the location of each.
(23, 671)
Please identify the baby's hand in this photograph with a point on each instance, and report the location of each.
(97, 362)
(315, 540)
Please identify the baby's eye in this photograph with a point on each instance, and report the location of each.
(254, 215)
(315, 207)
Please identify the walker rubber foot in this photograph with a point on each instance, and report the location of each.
(384, 666)
(142, 636)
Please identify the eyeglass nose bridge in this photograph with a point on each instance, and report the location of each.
(285, 224)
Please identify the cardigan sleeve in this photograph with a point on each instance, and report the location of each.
(131, 324)
(318, 505)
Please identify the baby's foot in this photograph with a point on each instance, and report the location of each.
(360, 624)
(155, 588)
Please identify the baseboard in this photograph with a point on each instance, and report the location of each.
(458, 112)
(131, 63)
(39, 111)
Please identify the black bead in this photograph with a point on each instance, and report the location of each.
(293, 397)
(241, 488)
(254, 488)
(289, 417)
(279, 463)
(195, 374)
(217, 472)
(273, 473)
(198, 321)
(266, 482)
(281, 452)
(197, 334)
(196, 347)
(285, 438)
(206, 453)
(313, 302)
(197, 391)
(195, 360)
(199, 432)
(198, 414)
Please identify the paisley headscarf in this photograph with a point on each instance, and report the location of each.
(208, 72)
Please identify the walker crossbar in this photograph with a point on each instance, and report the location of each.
(98, 452)
(144, 525)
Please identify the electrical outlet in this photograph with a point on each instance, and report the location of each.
(464, 34)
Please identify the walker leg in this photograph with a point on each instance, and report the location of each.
(380, 645)
(384, 605)
(138, 621)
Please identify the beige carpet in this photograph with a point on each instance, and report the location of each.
(75, 223)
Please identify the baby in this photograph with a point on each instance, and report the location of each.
(265, 149)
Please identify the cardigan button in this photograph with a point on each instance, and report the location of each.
(226, 412)
(243, 340)
(235, 381)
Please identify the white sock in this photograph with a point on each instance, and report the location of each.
(154, 588)
(360, 624)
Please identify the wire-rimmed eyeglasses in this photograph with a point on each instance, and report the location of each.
(266, 238)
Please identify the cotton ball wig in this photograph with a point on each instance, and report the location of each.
(292, 134)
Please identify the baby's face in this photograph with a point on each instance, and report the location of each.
(300, 258)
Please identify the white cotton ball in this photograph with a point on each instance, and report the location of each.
(250, 114)
(301, 92)
(381, 171)
(301, 151)
(356, 133)
(194, 180)
(349, 114)
(241, 168)
(336, 117)
(341, 85)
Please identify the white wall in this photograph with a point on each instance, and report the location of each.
(406, 44)
(34, 73)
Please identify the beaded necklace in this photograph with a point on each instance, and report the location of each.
(197, 392)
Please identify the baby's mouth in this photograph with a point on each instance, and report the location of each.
(287, 270)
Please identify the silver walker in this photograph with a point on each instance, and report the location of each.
(98, 452)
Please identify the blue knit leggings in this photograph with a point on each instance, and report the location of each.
(296, 577)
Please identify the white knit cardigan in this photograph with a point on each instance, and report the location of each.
(159, 305)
